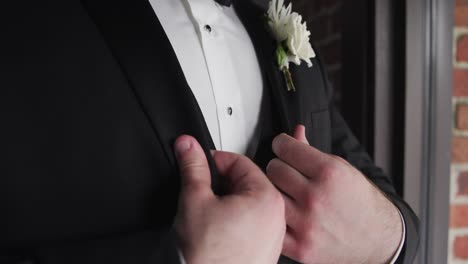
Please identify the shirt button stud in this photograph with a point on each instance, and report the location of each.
(229, 110)
(207, 28)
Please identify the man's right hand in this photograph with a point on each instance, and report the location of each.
(247, 225)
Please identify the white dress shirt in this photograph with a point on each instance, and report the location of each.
(220, 64)
(221, 67)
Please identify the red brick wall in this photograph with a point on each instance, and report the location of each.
(458, 247)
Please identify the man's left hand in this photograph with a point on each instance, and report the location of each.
(333, 213)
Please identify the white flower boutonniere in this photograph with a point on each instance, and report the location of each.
(292, 37)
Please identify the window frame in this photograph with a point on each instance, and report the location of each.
(428, 122)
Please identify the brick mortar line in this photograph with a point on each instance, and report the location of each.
(460, 65)
(460, 133)
(459, 201)
(456, 166)
(458, 232)
(461, 231)
(460, 99)
(456, 261)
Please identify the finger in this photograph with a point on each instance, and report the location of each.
(299, 134)
(193, 166)
(290, 246)
(305, 159)
(287, 179)
(292, 213)
(242, 174)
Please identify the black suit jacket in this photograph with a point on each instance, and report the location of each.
(92, 99)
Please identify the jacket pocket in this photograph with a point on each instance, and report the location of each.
(318, 131)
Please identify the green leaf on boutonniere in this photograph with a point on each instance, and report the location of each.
(281, 56)
(282, 60)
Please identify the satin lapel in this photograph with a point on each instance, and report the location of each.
(141, 47)
(286, 103)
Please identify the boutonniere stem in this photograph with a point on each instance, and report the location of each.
(282, 56)
(292, 37)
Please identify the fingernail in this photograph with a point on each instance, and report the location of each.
(277, 142)
(303, 128)
(181, 146)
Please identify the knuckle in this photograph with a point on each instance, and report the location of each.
(274, 202)
(191, 165)
(196, 189)
(274, 197)
(328, 171)
(279, 202)
(315, 204)
(273, 166)
(302, 252)
(244, 164)
(336, 157)
(339, 159)
(243, 159)
(307, 229)
(283, 148)
(306, 250)
(310, 201)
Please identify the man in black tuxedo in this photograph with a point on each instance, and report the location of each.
(93, 100)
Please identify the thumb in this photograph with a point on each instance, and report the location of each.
(193, 166)
(299, 134)
(241, 174)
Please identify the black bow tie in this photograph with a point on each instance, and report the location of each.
(224, 2)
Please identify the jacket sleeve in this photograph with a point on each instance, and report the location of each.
(345, 145)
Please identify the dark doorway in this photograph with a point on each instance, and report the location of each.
(362, 43)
